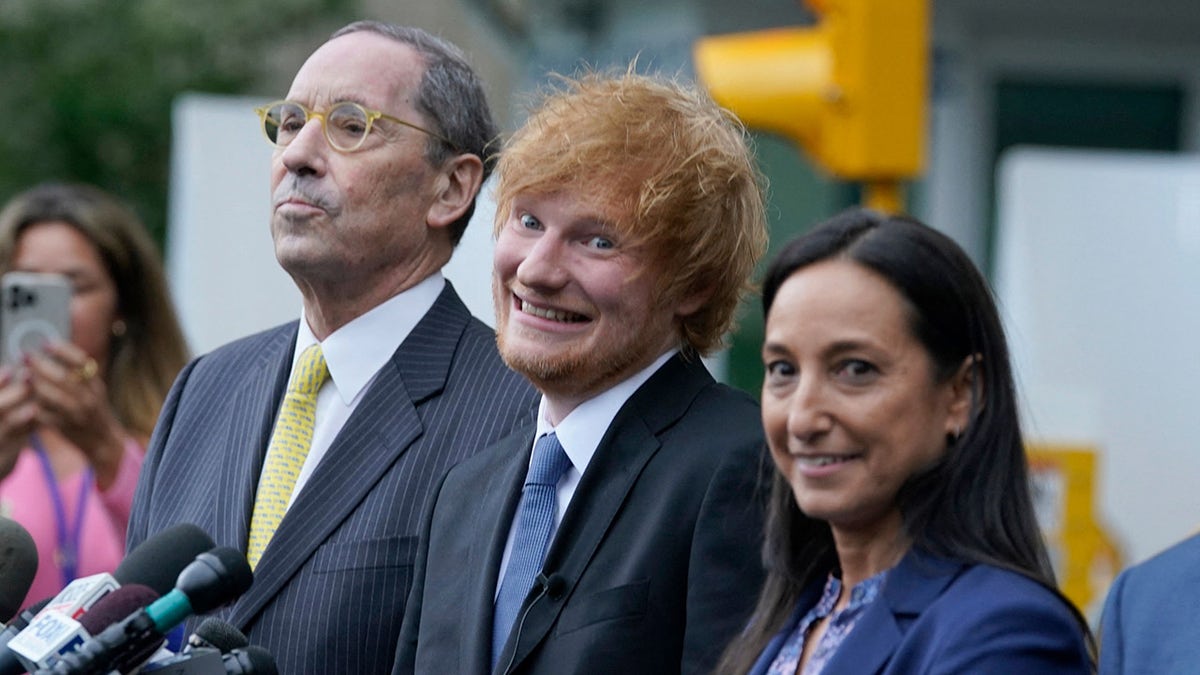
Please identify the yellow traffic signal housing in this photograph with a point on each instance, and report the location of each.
(851, 90)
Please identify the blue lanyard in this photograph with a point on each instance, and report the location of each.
(67, 535)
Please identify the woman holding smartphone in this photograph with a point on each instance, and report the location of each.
(75, 415)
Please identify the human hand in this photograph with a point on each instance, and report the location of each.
(72, 398)
(18, 417)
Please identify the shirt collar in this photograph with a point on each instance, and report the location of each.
(581, 430)
(357, 351)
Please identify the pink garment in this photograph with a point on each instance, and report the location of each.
(25, 497)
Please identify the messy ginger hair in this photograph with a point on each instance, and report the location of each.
(676, 165)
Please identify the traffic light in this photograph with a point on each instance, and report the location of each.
(850, 90)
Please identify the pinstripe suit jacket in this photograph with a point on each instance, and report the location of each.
(329, 593)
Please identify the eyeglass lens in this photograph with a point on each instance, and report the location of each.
(346, 125)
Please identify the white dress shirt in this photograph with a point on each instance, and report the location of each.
(355, 353)
(580, 433)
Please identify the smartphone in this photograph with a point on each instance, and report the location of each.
(34, 308)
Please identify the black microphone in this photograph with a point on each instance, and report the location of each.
(9, 663)
(553, 586)
(251, 660)
(22, 620)
(157, 561)
(213, 579)
(216, 648)
(18, 565)
(216, 634)
(200, 661)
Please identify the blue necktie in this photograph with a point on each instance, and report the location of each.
(535, 519)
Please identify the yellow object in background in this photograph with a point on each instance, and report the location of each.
(1085, 558)
(852, 90)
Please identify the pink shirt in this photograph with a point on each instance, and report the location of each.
(25, 497)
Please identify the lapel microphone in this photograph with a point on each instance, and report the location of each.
(553, 587)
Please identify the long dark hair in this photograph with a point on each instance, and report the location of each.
(974, 505)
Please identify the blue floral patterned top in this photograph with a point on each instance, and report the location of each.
(840, 625)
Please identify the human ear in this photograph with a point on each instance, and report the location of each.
(691, 303)
(457, 185)
(966, 395)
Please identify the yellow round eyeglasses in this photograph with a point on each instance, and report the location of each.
(346, 124)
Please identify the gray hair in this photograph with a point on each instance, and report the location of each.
(450, 96)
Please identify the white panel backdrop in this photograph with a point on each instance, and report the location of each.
(1098, 274)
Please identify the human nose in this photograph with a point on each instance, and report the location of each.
(543, 265)
(808, 411)
(307, 152)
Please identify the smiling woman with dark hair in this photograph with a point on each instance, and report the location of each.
(901, 536)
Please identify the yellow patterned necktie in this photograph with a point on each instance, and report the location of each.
(289, 446)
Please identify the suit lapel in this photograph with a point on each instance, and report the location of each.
(383, 426)
(630, 442)
(909, 588)
(494, 513)
(252, 415)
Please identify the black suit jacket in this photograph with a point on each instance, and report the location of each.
(655, 566)
(328, 595)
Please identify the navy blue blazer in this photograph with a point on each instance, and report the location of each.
(655, 566)
(1151, 621)
(937, 616)
(328, 595)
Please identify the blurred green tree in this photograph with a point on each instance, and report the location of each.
(86, 86)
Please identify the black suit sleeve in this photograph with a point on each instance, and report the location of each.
(406, 647)
(726, 558)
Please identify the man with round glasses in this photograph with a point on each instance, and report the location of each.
(312, 446)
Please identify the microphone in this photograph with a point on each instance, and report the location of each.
(81, 594)
(52, 634)
(154, 564)
(157, 561)
(216, 648)
(20, 621)
(116, 606)
(9, 663)
(204, 653)
(553, 586)
(63, 611)
(217, 634)
(18, 565)
(211, 580)
(202, 661)
(252, 660)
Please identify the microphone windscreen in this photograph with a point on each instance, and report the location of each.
(251, 660)
(18, 564)
(116, 606)
(157, 561)
(214, 578)
(218, 634)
